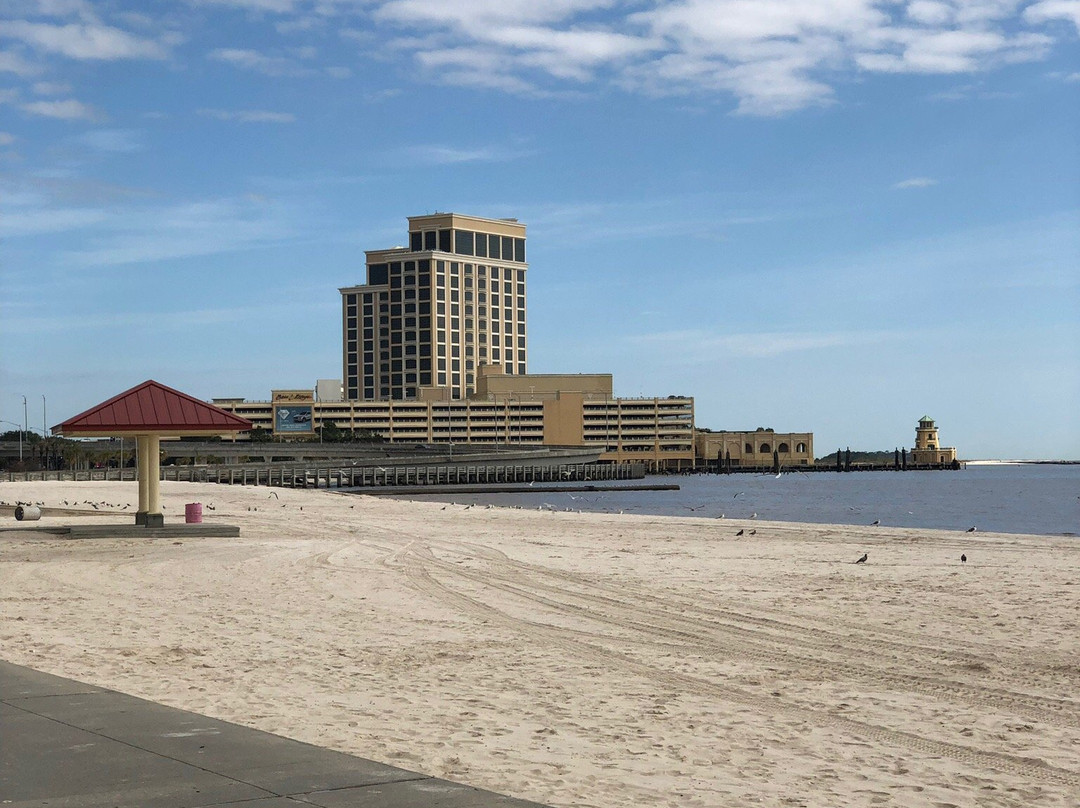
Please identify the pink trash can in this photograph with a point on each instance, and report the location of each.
(193, 513)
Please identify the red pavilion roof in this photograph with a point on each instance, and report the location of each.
(152, 408)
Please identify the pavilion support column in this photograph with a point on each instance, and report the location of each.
(142, 456)
(154, 517)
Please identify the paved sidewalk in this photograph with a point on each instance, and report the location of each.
(66, 744)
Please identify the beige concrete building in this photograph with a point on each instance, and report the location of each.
(928, 449)
(754, 449)
(544, 409)
(428, 315)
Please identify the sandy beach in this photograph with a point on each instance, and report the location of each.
(602, 660)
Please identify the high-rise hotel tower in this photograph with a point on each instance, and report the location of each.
(431, 314)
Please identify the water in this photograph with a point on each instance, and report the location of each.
(1041, 499)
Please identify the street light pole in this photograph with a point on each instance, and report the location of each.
(20, 435)
(45, 431)
(24, 426)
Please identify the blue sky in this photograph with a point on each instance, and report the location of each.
(833, 216)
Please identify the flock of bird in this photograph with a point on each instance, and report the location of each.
(97, 506)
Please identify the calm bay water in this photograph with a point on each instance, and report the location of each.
(1042, 499)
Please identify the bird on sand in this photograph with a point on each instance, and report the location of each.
(740, 532)
(863, 559)
(753, 532)
(963, 558)
(876, 522)
(972, 529)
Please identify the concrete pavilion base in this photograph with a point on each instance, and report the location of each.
(149, 519)
(81, 746)
(127, 531)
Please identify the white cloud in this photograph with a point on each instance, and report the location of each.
(11, 62)
(259, 63)
(117, 141)
(249, 115)
(47, 220)
(916, 182)
(182, 320)
(1049, 10)
(447, 155)
(6, 138)
(930, 12)
(83, 41)
(51, 88)
(467, 13)
(773, 56)
(271, 6)
(69, 110)
(197, 228)
(700, 345)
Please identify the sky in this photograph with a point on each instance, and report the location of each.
(833, 216)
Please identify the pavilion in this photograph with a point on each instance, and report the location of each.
(149, 412)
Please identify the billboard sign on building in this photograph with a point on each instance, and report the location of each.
(293, 412)
(293, 419)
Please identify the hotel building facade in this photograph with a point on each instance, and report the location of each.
(430, 314)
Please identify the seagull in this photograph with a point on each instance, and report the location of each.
(753, 532)
(876, 522)
(753, 515)
(863, 559)
(972, 529)
(738, 495)
(695, 508)
(740, 532)
(963, 558)
(721, 516)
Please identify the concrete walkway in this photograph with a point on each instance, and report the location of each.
(66, 744)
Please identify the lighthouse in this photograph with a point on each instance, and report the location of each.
(928, 450)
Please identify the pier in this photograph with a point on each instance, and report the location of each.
(322, 475)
